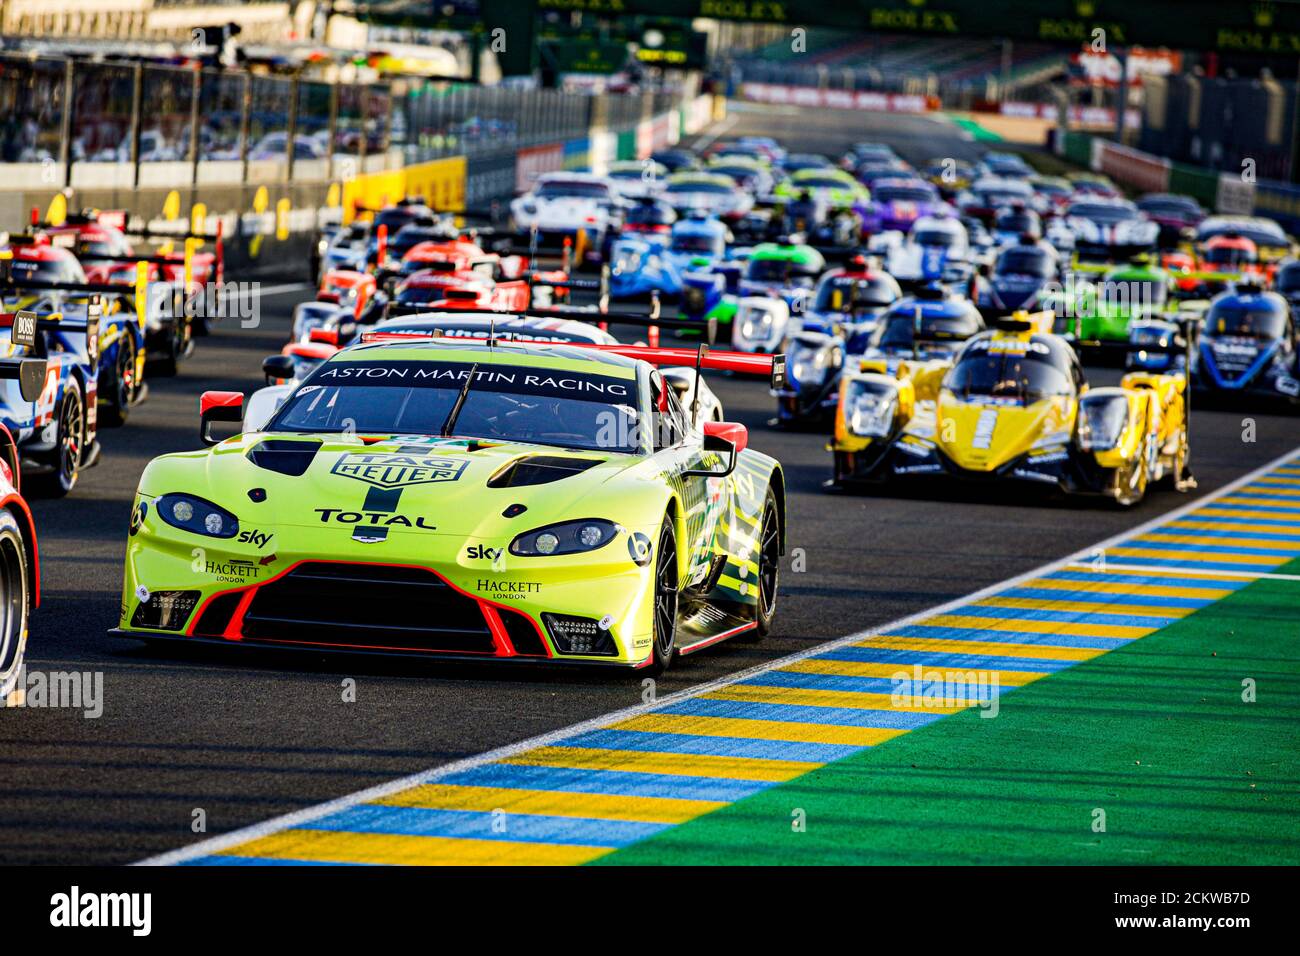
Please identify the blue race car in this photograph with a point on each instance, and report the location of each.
(1021, 275)
(646, 262)
(55, 431)
(928, 325)
(1248, 347)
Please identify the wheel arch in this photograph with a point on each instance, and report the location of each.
(12, 502)
(777, 484)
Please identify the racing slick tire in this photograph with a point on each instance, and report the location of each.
(1129, 485)
(769, 568)
(664, 636)
(176, 348)
(14, 600)
(120, 391)
(69, 445)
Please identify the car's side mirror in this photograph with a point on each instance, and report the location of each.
(218, 407)
(724, 438)
(277, 368)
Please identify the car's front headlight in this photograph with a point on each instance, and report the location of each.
(870, 409)
(569, 537)
(1102, 419)
(1150, 336)
(808, 364)
(760, 324)
(194, 514)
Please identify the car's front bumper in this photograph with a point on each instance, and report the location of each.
(393, 601)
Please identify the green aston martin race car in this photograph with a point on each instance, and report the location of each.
(426, 496)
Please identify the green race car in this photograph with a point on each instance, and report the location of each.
(501, 500)
(1103, 311)
(835, 187)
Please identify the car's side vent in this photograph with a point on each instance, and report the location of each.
(539, 470)
(287, 456)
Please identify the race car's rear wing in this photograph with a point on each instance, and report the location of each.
(25, 326)
(702, 357)
(601, 319)
(138, 290)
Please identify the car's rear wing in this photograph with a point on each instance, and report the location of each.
(701, 357)
(26, 324)
(651, 321)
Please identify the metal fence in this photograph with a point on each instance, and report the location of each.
(124, 125)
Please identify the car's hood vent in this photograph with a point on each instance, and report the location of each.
(539, 470)
(287, 456)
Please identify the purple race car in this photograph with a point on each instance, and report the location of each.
(898, 202)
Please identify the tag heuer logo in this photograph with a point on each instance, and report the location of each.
(397, 471)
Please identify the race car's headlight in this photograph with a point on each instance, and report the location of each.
(870, 409)
(1149, 335)
(807, 364)
(1101, 421)
(759, 324)
(197, 516)
(570, 537)
(627, 261)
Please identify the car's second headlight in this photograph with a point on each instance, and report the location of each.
(871, 411)
(196, 515)
(569, 537)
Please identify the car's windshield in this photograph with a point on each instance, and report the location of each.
(822, 182)
(1017, 222)
(49, 270)
(1132, 295)
(904, 194)
(1288, 278)
(774, 270)
(851, 295)
(696, 243)
(572, 190)
(1019, 372)
(420, 294)
(1026, 262)
(699, 187)
(1103, 212)
(1229, 255)
(902, 328)
(936, 237)
(1251, 322)
(567, 408)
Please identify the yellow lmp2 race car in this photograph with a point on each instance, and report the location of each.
(1012, 406)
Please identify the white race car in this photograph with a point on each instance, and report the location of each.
(581, 207)
(936, 249)
(1103, 228)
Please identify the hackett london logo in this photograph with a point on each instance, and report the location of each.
(397, 471)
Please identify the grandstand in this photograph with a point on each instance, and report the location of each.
(953, 68)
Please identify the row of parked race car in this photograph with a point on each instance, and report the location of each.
(90, 305)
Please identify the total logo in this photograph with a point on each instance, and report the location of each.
(379, 518)
(258, 539)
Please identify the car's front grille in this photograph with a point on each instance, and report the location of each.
(367, 606)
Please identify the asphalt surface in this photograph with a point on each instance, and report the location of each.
(243, 737)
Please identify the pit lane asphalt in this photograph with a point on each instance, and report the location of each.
(245, 737)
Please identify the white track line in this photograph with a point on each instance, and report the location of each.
(1160, 569)
(287, 821)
